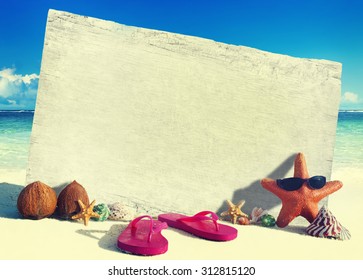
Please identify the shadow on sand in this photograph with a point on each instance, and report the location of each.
(255, 195)
(8, 199)
(106, 239)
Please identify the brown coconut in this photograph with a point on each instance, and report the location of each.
(37, 201)
(67, 205)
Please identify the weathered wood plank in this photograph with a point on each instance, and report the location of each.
(167, 122)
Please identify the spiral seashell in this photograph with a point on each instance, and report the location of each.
(119, 212)
(326, 225)
(344, 234)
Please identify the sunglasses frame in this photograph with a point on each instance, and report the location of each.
(296, 183)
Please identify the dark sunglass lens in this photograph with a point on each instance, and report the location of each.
(290, 184)
(317, 182)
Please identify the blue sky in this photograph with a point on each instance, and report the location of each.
(331, 29)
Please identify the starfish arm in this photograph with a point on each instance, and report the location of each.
(230, 204)
(243, 214)
(271, 185)
(234, 219)
(86, 219)
(286, 215)
(92, 204)
(310, 211)
(95, 215)
(224, 213)
(329, 188)
(241, 203)
(300, 168)
(77, 216)
(81, 204)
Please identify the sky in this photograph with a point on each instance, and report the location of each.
(330, 29)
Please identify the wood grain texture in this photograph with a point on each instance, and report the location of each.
(167, 122)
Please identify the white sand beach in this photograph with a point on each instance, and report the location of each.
(63, 240)
(226, 105)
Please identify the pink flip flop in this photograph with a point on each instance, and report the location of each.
(200, 225)
(143, 237)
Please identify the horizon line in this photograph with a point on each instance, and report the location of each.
(33, 110)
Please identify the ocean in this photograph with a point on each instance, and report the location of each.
(348, 151)
(15, 130)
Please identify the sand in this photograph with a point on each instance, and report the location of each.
(63, 240)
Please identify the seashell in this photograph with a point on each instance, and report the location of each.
(119, 212)
(326, 225)
(344, 234)
(103, 211)
(68, 199)
(243, 220)
(37, 201)
(268, 220)
(256, 214)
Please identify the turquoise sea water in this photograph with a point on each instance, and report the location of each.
(15, 129)
(348, 151)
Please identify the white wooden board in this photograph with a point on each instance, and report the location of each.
(167, 122)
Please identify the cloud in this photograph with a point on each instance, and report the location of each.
(350, 97)
(17, 91)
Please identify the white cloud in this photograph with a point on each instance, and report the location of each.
(17, 91)
(9, 74)
(350, 97)
(28, 78)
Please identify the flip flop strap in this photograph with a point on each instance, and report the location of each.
(202, 216)
(152, 228)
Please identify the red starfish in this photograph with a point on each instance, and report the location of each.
(302, 202)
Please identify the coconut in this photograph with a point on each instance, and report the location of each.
(37, 201)
(68, 200)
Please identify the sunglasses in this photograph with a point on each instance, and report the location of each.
(293, 184)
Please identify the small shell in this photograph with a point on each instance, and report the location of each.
(120, 212)
(326, 225)
(243, 221)
(268, 220)
(256, 214)
(103, 211)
